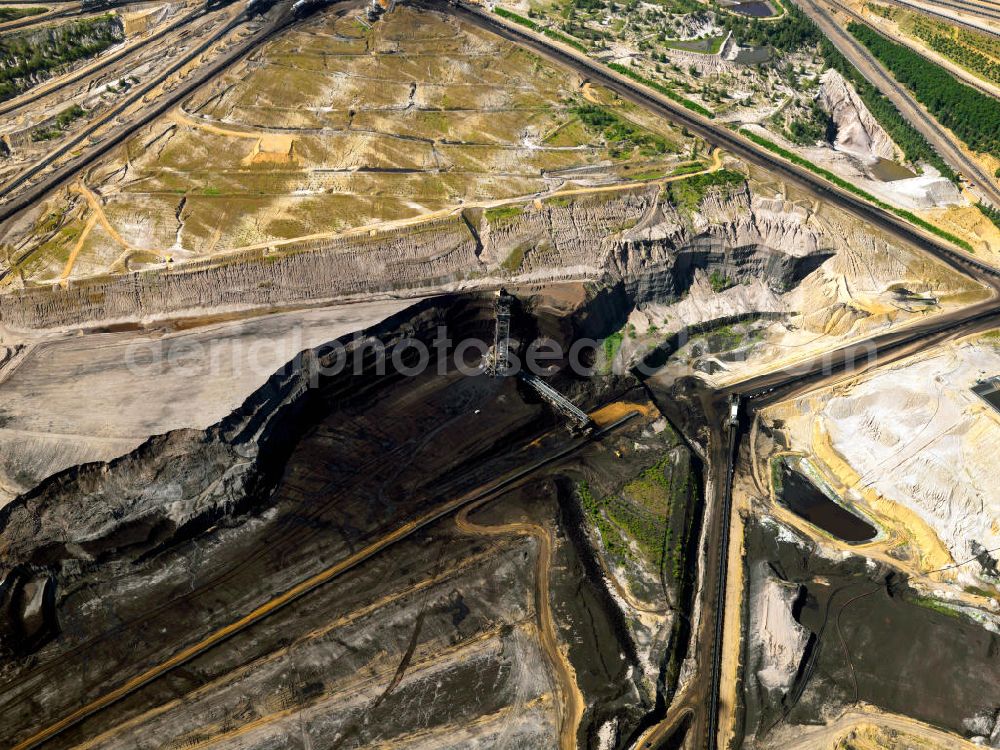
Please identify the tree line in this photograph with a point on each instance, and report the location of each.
(972, 116)
(28, 57)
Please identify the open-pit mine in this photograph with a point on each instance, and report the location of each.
(523, 375)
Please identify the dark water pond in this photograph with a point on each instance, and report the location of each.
(803, 498)
(755, 8)
(989, 391)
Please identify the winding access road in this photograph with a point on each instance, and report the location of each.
(296, 592)
(704, 688)
(35, 191)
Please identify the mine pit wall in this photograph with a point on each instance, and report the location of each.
(629, 236)
(226, 470)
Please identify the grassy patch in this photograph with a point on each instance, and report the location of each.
(501, 213)
(726, 338)
(559, 201)
(777, 476)
(653, 514)
(690, 168)
(936, 605)
(852, 188)
(621, 135)
(719, 281)
(651, 174)
(513, 261)
(13, 14)
(977, 591)
(611, 345)
(689, 192)
(650, 488)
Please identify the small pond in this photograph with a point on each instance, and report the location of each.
(805, 499)
(754, 8)
(887, 170)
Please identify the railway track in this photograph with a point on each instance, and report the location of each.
(723, 137)
(12, 105)
(967, 78)
(859, 56)
(60, 175)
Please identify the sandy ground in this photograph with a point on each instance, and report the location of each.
(913, 447)
(732, 629)
(863, 729)
(87, 398)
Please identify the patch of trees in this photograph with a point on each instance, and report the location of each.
(790, 33)
(620, 135)
(974, 117)
(689, 192)
(817, 125)
(945, 43)
(26, 58)
(990, 213)
(63, 120)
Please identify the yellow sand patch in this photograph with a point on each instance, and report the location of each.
(969, 223)
(930, 552)
(272, 148)
(611, 412)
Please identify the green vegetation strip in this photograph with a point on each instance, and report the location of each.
(13, 14)
(852, 188)
(550, 33)
(974, 117)
(27, 57)
(508, 211)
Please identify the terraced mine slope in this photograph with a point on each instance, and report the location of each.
(265, 480)
(335, 126)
